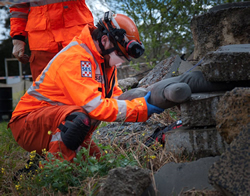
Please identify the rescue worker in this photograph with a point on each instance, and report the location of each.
(78, 89)
(49, 26)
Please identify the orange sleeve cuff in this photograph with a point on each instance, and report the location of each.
(140, 111)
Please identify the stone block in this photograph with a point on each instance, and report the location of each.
(174, 178)
(224, 25)
(161, 71)
(228, 63)
(127, 83)
(231, 173)
(186, 65)
(201, 109)
(126, 181)
(233, 112)
(197, 142)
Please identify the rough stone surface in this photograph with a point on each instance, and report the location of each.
(137, 71)
(229, 5)
(228, 63)
(186, 66)
(126, 181)
(127, 83)
(127, 133)
(198, 142)
(233, 112)
(174, 178)
(201, 109)
(220, 27)
(161, 71)
(231, 174)
(174, 67)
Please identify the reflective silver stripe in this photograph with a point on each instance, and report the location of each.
(16, 14)
(20, 5)
(32, 90)
(56, 137)
(97, 71)
(115, 97)
(47, 2)
(122, 110)
(93, 104)
(40, 97)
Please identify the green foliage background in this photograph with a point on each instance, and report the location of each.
(164, 25)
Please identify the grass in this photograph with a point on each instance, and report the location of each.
(79, 178)
(11, 156)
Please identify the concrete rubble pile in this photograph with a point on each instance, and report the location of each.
(216, 125)
(218, 122)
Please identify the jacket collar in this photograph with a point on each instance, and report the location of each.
(86, 38)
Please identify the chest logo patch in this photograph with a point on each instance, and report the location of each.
(86, 69)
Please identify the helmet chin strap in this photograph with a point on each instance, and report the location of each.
(104, 52)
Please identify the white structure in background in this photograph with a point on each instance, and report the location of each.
(97, 7)
(12, 79)
(18, 82)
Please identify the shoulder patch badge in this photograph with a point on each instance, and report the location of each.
(86, 69)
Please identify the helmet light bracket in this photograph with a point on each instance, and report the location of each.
(132, 47)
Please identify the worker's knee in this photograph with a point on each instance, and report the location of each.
(177, 92)
(75, 129)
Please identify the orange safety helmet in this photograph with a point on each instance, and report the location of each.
(123, 33)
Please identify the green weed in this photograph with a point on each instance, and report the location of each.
(81, 177)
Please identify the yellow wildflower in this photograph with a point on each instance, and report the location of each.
(119, 114)
(152, 156)
(98, 132)
(49, 132)
(32, 157)
(33, 152)
(17, 187)
(3, 170)
(40, 163)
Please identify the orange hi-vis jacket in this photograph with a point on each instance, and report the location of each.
(77, 76)
(49, 23)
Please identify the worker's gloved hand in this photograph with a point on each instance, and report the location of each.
(18, 48)
(18, 51)
(152, 108)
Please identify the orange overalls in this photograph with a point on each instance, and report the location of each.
(50, 25)
(74, 80)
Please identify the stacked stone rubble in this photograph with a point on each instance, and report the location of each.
(222, 25)
(225, 58)
(212, 121)
(230, 111)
